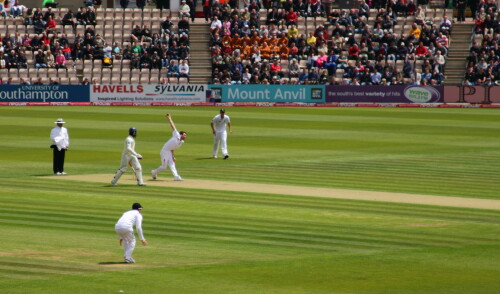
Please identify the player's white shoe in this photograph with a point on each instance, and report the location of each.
(153, 174)
(215, 156)
(113, 183)
(178, 178)
(64, 173)
(129, 260)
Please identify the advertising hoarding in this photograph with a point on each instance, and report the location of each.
(147, 93)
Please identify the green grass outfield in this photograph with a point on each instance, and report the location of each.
(57, 236)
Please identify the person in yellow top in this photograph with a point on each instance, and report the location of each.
(414, 33)
(293, 32)
(311, 39)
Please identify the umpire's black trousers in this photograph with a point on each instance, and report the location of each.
(58, 163)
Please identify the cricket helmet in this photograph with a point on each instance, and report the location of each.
(132, 132)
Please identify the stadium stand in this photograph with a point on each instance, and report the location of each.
(290, 42)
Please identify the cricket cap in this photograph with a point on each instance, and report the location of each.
(222, 110)
(136, 206)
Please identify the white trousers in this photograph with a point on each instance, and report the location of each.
(136, 166)
(167, 160)
(128, 238)
(220, 138)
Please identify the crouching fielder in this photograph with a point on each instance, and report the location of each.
(167, 152)
(125, 230)
(130, 156)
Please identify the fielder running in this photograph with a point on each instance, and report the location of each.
(125, 230)
(218, 125)
(167, 152)
(129, 156)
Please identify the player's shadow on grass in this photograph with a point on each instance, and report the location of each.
(204, 158)
(112, 262)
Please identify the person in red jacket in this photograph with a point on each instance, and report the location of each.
(291, 17)
(354, 51)
(51, 24)
(421, 51)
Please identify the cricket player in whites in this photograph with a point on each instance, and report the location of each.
(218, 125)
(167, 152)
(130, 156)
(125, 230)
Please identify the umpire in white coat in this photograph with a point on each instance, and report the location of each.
(129, 156)
(218, 125)
(125, 230)
(60, 143)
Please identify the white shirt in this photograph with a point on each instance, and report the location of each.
(185, 9)
(216, 24)
(60, 138)
(129, 146)
(174, 142)
(128, 220)
(184, 68)
(220, 123)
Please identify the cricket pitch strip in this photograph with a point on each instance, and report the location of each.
(449, 201)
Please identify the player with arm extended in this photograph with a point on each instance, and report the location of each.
(167, 152)
(125, 230)
(129, 156)
(218, 125)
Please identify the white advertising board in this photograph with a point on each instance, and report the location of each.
(147, 93)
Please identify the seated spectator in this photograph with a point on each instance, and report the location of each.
(445, 25)
(145, 61)
(173, 70)
(135, 61)
(364, 9)
(184, 9)
(166, 26)
(81, 17)
(11, 60)
(276, 68)
(22, 60)
(439, 61)
(183, 52)
(50, 26)
(291, 17)
(184, 69)
(39, 25)
(60, 60)
(90, 16)
(414, 33)
(156, 60)
(40, 61)
(50, 59)
(183, 25)
(146, 35)
(17, 9)
(442, 39)
(216, 25)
